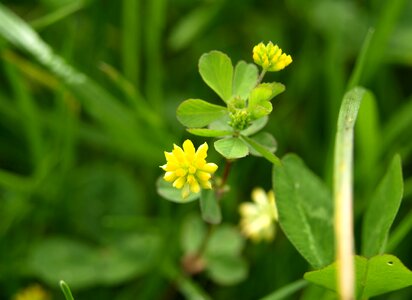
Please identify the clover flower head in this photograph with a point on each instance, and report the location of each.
(270, 57)
(188, 169)
(32, 292)
(258, 218)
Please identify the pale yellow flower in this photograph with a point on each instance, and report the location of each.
(32, 292)
(188, 169)
(270, 57)
(258, 217)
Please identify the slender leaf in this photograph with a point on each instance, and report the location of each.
(305, 210)
(382, 210)
(286, 291)
(209, 132)
(66, 290)
(262, 149)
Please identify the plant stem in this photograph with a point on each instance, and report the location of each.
(262, 74)
(343, 190)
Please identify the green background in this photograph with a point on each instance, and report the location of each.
(81, 139)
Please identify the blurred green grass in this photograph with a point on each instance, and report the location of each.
(88, 92)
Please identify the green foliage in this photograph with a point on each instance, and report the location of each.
(216, 70)
(375, 276)
(88, 95)
(382, 210)
(244, 79)
(232, 148)
(222, 255)
(83, 265)
(199, 113)
(305, 210)
(209, 206)
(66, 290)
(167, 191)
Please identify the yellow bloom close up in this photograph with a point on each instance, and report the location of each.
(258, 218)
(188, 169)
(32, 292)
(270, 57)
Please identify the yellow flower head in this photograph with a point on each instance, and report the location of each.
(188, 169)
(270, 57)
(32, 292)
(258, 218)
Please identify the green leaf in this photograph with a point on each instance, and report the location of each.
(262, 149)
(259, 102)
(225, 240)
(382, 210)
(66, 290)
(266, 140)
(192, 234)
(84, 265)
(255, 126)
(286, 291)
(378, 275)
(305, 210)
(231, 148)
(209, 207)
(216, 70)
(275, 87)
(167, 191)
(227, 270)
(259, 99)
(209, 132)
(221, 124)
(198, 113)
(244, 79)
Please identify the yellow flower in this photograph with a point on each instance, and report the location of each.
(258, 218)
(270, 57)
(32, 292)
(188, 169)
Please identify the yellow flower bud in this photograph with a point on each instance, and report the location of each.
(270, 57)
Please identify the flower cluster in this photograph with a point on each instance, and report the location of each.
(32, 292)
(270, 57)
(188, 169)
(258, 218)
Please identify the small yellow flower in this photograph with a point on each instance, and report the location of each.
(32, 292)
(188, 169)
(270, 57)
(258, 218)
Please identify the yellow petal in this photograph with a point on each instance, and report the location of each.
(203, 176)
(206, 185)
(194, 186)
(201, 152)
(259, 196)
(179, 154)
(170, 176)
(179, 183)
(210, 168)
(181, 172)
(185, 191)
(189, 149)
